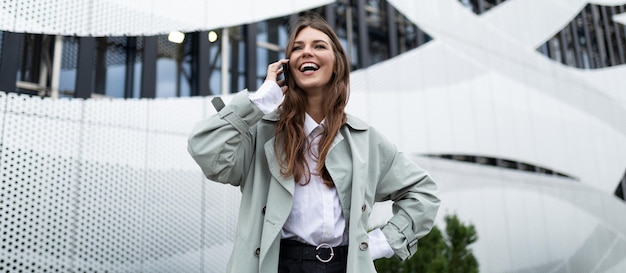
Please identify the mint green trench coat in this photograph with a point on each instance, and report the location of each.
(236, 146)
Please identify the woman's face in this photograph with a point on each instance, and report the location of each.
(312, 60)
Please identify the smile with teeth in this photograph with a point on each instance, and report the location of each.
(308, 67)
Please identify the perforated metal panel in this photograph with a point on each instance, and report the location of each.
(121, 18)
(7, 13)
(108, 186)
(137, 17)
(38, 194)
(66, 16)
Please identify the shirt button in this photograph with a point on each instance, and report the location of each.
(263, 210)
(257, 252)
(363, 207)
(363, 246)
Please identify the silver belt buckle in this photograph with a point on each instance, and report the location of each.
(332, 253)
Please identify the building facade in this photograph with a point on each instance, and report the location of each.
(517, 108)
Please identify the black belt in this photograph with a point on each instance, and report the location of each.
(324, 253)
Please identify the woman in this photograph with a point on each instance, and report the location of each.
(310, 173)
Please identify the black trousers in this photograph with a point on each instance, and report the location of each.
(297, 257)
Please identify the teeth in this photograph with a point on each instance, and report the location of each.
(308, 66)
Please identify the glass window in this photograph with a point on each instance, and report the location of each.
(346, 30)
(215, 65)
(138, 50)
(111, 66)
(173, 67)
(30, 63)
(376, 20)
(271, 40)
(237, 59)
(69, 60)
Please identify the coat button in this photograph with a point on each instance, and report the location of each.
(363, 246)
(263, 210)
(363, 207)
(257, 252)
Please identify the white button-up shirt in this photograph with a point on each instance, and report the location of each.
(316, 216)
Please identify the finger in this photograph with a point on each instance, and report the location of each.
(284, 88)
(281, 82)
(275, 69)
(272, 72)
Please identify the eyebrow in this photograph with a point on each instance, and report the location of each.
(315, 41)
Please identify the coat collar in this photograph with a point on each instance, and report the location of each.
(287, 182)
(352, 121)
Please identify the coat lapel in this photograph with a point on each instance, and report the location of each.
(279, 204)
(274, 165)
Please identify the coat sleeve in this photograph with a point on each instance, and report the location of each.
(415, 202)
(223, 144)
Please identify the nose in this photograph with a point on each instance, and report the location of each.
(307, 50)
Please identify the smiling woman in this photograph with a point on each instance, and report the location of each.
(313, 65)
(310, 173)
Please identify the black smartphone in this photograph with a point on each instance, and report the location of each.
(286, 72)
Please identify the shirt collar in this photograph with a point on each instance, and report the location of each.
(310, 124)
(354, 122)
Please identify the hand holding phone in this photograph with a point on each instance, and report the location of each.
(286, 72)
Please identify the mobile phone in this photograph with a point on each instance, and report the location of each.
(286, 72)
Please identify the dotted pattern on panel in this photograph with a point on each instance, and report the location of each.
(180, 23)
(173, 221)
(174, 205)
(189, 111)
(37, 194)
(110, 221)
(117, 113)
(68, 16)
(36, 209)
(221, 211)
(3, 98)
(114, 146)
(61, 109)
(109, 228)
(128, 18)
(86, 187)
(7, 14)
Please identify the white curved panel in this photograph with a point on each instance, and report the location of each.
(486, 94)
(610, 81)
(531, 222)
(142, 17)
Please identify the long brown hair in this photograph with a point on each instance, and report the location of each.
(290, 126)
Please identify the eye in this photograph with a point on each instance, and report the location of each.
(320, 46)
(295, 48)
